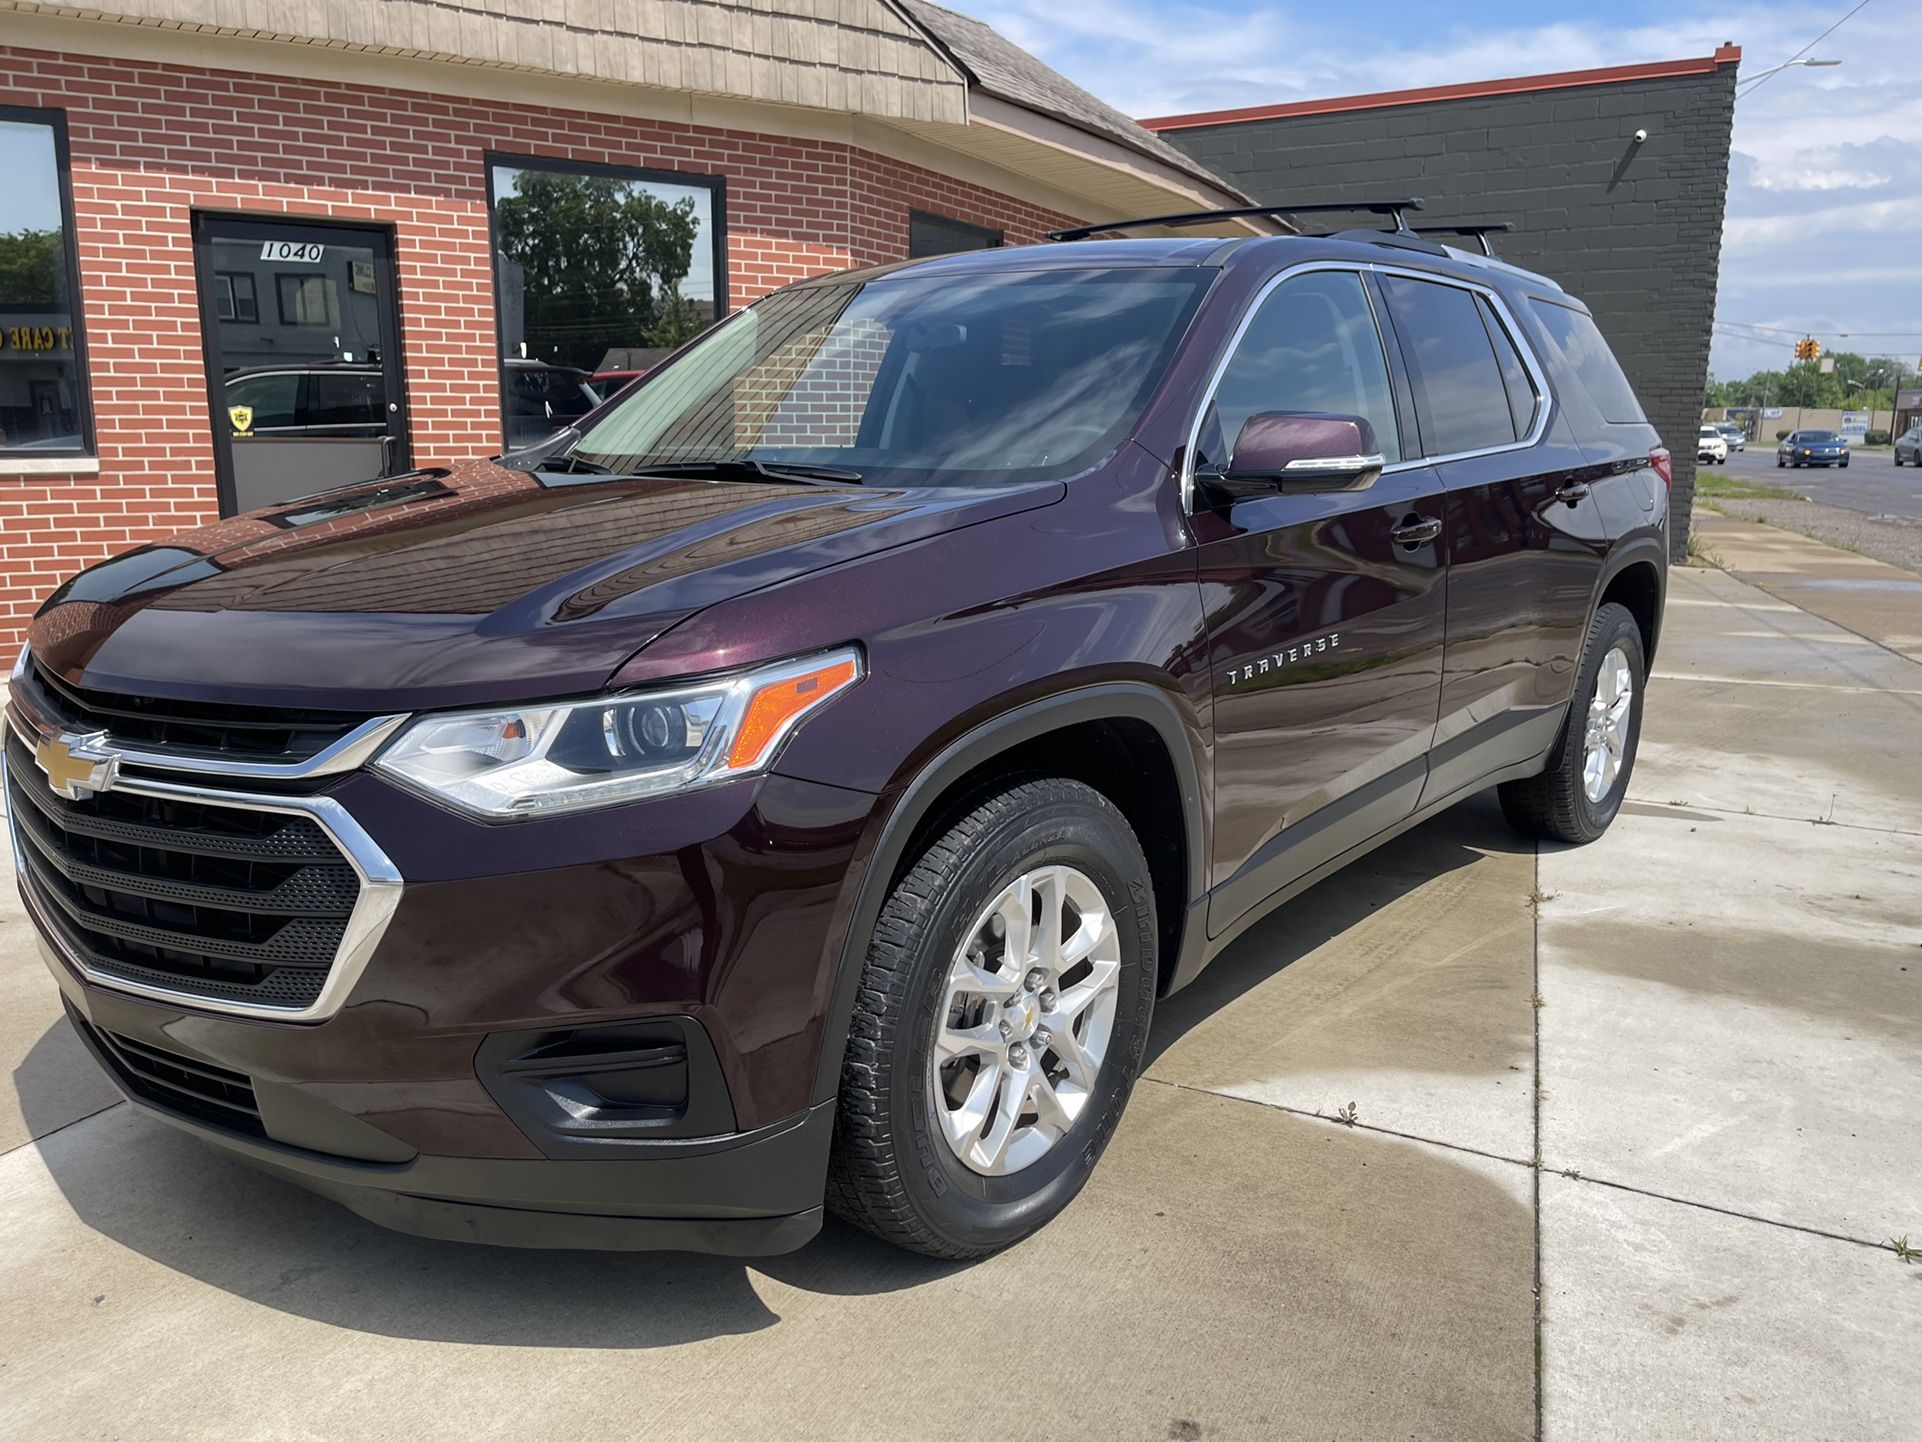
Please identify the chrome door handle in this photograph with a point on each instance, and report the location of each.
(1573, 492)
(1416, 531)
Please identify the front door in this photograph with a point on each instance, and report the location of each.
(1325, 610)
(303, 357)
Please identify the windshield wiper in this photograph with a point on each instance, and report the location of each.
(778, 472)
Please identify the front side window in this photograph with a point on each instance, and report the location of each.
(597, 269)
(969, 379)
(43, 402)
(1313, 346)
(1459, 390)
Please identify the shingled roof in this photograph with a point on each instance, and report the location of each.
(1000, 68)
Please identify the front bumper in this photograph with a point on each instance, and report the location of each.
(699, 931)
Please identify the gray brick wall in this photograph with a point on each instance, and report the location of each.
(1635, 231)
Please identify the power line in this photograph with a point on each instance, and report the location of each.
(1762, 80)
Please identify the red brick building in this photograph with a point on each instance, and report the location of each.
(237, 265)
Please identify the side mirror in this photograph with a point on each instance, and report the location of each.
(1283, 451)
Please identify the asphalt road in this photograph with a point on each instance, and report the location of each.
(1872, 483)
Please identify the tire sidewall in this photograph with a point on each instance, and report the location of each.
(969, 1209)
(1614, 627)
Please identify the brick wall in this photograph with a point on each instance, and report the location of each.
(1634, 230)
(151, 144)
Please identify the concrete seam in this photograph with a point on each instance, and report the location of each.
(1687, 807)
(1790, 600)
(42, 1136)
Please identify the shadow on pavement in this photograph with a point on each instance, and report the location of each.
(1459, 837)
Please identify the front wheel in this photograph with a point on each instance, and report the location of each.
(1001, 1021)
(1578, 795)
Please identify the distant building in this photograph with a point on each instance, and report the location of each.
(1616, 180)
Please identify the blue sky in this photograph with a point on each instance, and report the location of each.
(1824, 228)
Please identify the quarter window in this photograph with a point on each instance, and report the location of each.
(1459, 388)
(1583, 351)
(1313, 346)
(43, 401)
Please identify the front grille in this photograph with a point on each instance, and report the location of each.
(202, 729)
(176, 1083)
(200, 898)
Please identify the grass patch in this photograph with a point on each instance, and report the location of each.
(1721, 485)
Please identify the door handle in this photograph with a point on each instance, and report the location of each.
(1573, 492)
(1416, 531)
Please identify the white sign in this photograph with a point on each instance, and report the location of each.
(1827, 367)
(298, 252)
(1772, 413)
(1855, 425)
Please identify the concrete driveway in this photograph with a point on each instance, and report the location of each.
(1670, 1085)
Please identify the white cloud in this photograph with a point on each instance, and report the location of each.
(1825, 199)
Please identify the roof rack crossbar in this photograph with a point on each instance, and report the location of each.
(1392, 208)
(1478, 231)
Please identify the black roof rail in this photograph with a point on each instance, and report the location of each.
(1478, 230)
(1392, 208)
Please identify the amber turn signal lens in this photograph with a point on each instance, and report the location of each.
(778, 705)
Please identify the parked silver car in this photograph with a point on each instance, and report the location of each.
(1908, 446)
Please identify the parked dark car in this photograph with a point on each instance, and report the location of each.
(307, 401)
(542, 399)
(1812, 448)
(799, 786)
(1908, 446)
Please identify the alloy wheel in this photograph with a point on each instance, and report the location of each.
(1605, 739)
(1027, 1014)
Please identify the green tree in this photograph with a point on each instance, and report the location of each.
(602, 262)
(32, 270)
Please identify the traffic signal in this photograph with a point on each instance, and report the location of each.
(1808, 349)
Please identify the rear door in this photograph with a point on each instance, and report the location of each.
(1325, 609)
(1525, 533)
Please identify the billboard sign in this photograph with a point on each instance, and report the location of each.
(1855, 426)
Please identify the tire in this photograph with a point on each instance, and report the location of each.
(1556, 806)
(1779, 463)
(892, 1167)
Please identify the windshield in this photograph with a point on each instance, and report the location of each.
(1818, 435)
(951, 380)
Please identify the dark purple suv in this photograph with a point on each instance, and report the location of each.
(796, 785)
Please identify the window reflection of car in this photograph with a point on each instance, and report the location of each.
(308, 402)
(541, 398)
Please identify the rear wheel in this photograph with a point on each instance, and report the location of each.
(1000, 1024)
(1577, 797)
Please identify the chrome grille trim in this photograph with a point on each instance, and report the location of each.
(379, 887)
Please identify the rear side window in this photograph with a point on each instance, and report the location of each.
(1583, 351)
(1522, 398)
(1459, 390)
(1312, 346)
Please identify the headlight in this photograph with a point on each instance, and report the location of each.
(538, 760)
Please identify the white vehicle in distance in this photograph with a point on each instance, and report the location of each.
(1712, 447)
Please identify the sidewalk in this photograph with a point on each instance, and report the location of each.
(1674, 1078)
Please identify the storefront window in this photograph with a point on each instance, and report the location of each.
(599, 272)
(43, 403)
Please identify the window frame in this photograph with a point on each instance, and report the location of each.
(715, 185)
(88, 449)
(994, 239)
(1414, 442)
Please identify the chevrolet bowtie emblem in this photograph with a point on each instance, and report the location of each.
(71, 772)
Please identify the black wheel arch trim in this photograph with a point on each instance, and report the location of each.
(1108, 701)
(1644, 547)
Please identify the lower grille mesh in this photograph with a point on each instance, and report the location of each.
(177, 1083)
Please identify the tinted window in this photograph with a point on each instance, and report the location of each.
(975, 379)
(601, 268)
(1522, 399)
(1583, 351)
(1458, 383)
(940, 235)
(42, 401)
(345, 399)
(272, 399)
(1312, 346)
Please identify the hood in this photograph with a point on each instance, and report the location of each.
(458, 587)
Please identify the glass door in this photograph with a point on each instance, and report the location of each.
(303, 357)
